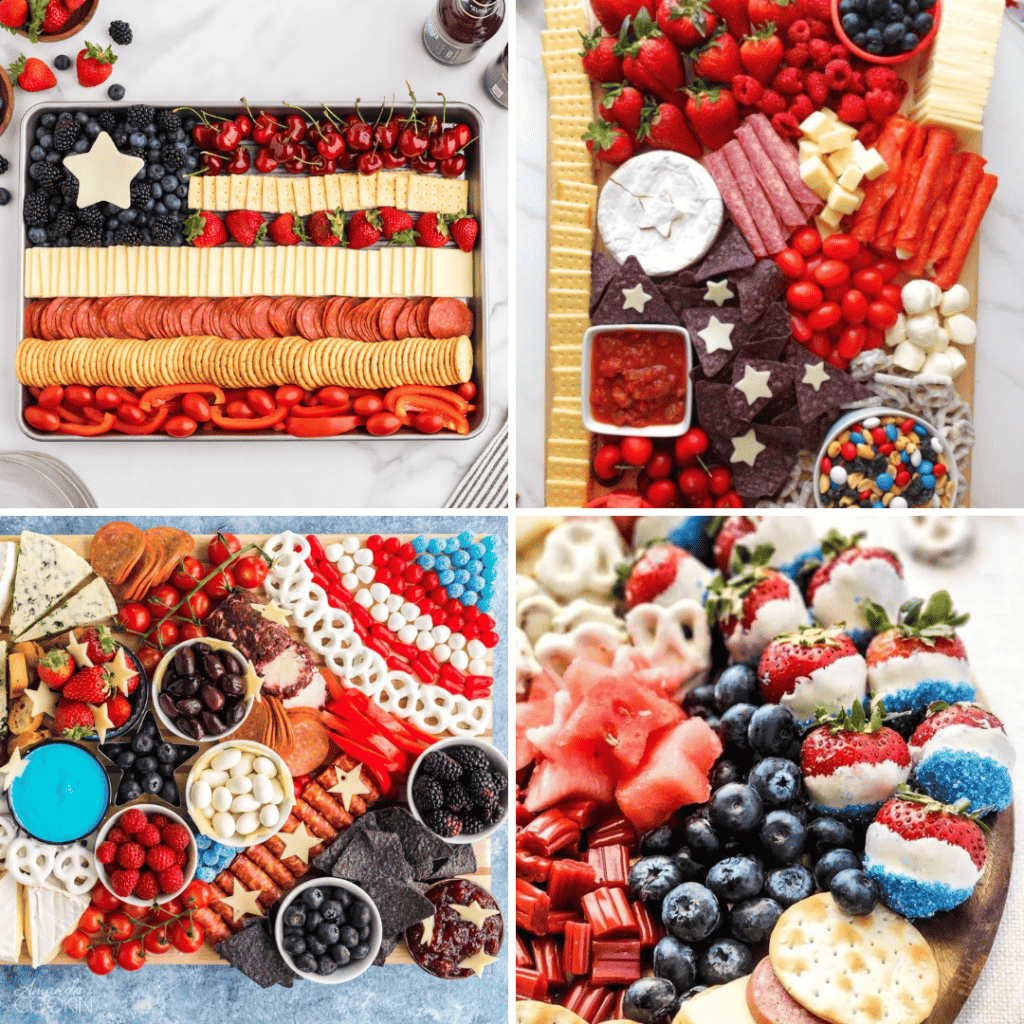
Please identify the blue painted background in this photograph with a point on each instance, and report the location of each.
(214, 994)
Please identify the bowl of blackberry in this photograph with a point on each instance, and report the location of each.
(886, 31)
(458, 788)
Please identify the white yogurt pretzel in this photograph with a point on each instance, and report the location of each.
(535, 616)
(660, 635)
(580, 611)
(526, 586)
(593, 641)
(30, 862)
(75, 869)
(8, 830)
(527, 665)
(581, 557)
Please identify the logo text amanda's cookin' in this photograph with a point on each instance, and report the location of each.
(36, 998)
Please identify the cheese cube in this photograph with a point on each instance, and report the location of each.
(851, 176)
(836, 137)
(830, 216)
(817, 177)
(817, 124)
(824, 228)
(808, 148)
(872, 164)
(839, 160)
(843, 200)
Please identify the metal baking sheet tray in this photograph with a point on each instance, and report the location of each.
(457, 112)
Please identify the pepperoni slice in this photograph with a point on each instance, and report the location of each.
(423, 317)
(262, 328)
(449, 318)
(402, 321)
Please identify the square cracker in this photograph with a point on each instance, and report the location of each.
(568, 129)
(567, 328)
(580, 215)
(559, 39)
(570, 83)
(577, 280)
(570, 152)
(575, 192)
(567, 425)
(560, 493)
(854, 970)
(571, 106)
(567, 17)
(576, 260)
(580, 172)
(572, 238)
(562, 62)
(565, 356)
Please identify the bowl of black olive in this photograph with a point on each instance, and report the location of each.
(147, 763)
(204, 689)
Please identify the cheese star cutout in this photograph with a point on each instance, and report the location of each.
(477, 962)
(815, 375)
(104, 173)
(79, 650)
(746, 448)
(13, 769)
(253, 683)
(120, 670)
(716, 335)
(635, 298)
(349, 784)
(242, 902)
(754, 384)
(103, 720)
(718, 292)
(660, 212)
(428, 930)
(297, 843)
(273, 612)
(44, 700)
(474, 913)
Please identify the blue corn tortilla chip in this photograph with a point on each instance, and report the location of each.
(254, 952)
(328, 857)
(773, 321)
(779, 382)
(758, 287)
(461, 861)
(399, 906)
(728, 252)
(681, 278)
(696, 320)
(711, 406)
(602, 269)
(821, 388)
(611, 309)
(773, 464)
(811, 434)
(680, 298)
(373, 857)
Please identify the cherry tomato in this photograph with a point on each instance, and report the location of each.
(136, 913)
(165, 635)
(721, 480)
(103, 898)
(150, 658)
(694, 483)
(466, 391)
(165, 911)
(92, 920)
(220, 585)
(827, 314)
(100, 960)
(135, 617)
(157, 941)
(130, 414)
(606, 463)
(662, 493)
(854, 306)
(121, 926)
(199, 604)
(831, 273)
(260, 402)
(181, 426)
(875, 338)
(862, 260)
(131, 956)
(50, 397)
(289, 395)
(198, 893)
(840, 247)
(836, 360)
(196, 406)
(107, 397)
(892, 294)
(691, 445)
(41, 419)
(78, 394)
(881, 315)
(887, 268)
(161, 599)
(239, 410)
(806, 241)
(187, 573)
(636, 450)
(223, 548)
(250, 572)
(819, 345)
(190, 631)
(333, 395)
(186, 936)
(851, 341)
(791, 263)
(812, 264)
(427, 422)
(834, 294)
(369, 405)
(659, 466)
(799, 329)
(382, 423)
(804, 295)
(868, 281)
(76, 945)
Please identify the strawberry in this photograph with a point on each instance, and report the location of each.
(612, 13)
(364, 229)
(32, 74)
(735, 15)
(94, 66)
(204, 229)
(608, 142)
(326, 228)
(600, 61)
(73, 5)
(159, 858)
(13, 13)
(788, 82)
(464, 230)
(914, 816)
(713, 115)
(134, 820)
(782, 12)
(56, 17)
(944, 716)
(732, 529)
(431, 230)
(688, 23)
(101, 647)
(761, 53)
(623, 105)
(149, 836)
(665, 574)
(286, 230)
(106, 852)
(89, 685)
(816, 9)
(719, 60)
(246, 227)
(119, 710)
(123, 881)
(131, 855)
(747, 90)
(665, 127)
(170, 878)
(147, 887)
(176, 836)
(650, 61)
(55, 668)
(73, 719)
(396, 226)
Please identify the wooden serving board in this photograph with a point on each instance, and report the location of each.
(79, 543)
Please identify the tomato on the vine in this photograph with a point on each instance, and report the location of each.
(100, 960)
(121, 926)
(191, 631)
(186, 935)
(103, 898)
(250, 572)
(166, 910)
(135, 617)
(76, 945)
(92, 920)
(157, 941)
(223, 548)
(165, 635)
(199, 604)
(197, 894)
(187, 573)
(150, 658)
(131, 956)
(160, 600)
(137, 913)
(220, 585)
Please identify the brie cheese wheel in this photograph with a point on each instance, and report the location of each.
(51, 914)
(661, 207)
(10, 919)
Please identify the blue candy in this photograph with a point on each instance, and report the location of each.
(442, 562)
(477, 583)
(920, 429)
(884, 481)
(426, 562)
(891, 432)
(209, 857)
(487, 592)
(466, 538)
(460, 558)
(470, 597)
(455, 589)
(451, 545)
(484, 604)
(474, 567)
(419, 545)
(905, 456)
(490, 572)
(205, 873)
(928, 481)
(857, 438)
(476, 550)
(445, 576)
(489, 559)
(435, 545)
(461, 576)
(924, 467)
(489, 543)
(877, 504)
(834, 486)
(203, 842)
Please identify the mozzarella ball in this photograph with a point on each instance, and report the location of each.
(920, 296)
(962, 329)
(908, 356)
(898, 331)
(956, 300)
(922, 329)
(939, 364)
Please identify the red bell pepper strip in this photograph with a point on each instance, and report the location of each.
(90, 430)
(392, 397)
(408, 405)
(143, 428)
(323, 426)
(68, 416)
(158, 395)
(256, 423)
(127, 395)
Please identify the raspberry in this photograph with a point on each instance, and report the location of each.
(820, 29)
(816, 9)
(147, 887)
(799, 31)
(820, 53)
(170, 878)
(881, 78)
(816, 88)
(857, 85)
(787, 125)
(747, 90)
(901, 90)
(149, 836)
(797, 55)
(801, 107)
(106, 852)
(852, 110)
(123, 881)
(117, 836)
(131, 855)
(133, 820)
(771, 103)
(159, 821)
(788, 81)
(839, 52)
(176, 836)
(181, 859)
(160, 857)
(881, 105)
(869, 133)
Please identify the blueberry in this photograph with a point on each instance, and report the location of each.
(691, 868)
(653, 878)
(723, 961)
(735, 726)
(315, 946)
(295, 917)
(699, 834)
(877, 8)
(789, 885)
(826, 833)
(736, 685)
(172, 202)
(852, 24)
(92, 129)
(306, 962)
(326, 965)
(359, 915)
(359, 952)
(658, 840)
(736, 807)
(778, 781)
(145, 765)
(137, 140)
(48, 120)
(328, 932)
(725, 771)
(783, 836)
(859, 40)
(702, 696)
(129, 789)
(895, 11)
(37, 153)
(736, 878)
(831, 864)
(125, 759)
(876, 46)
(772, 729)
(142, 743)
(340, 954)
(332, 910)
(924, 5)
(155, 172)
(294, 945)
(690, 912)
(313, 919)
(348, 936)
(923, 24)
(854, 891)
(364, 934)
(753, 920)
(648, 1000)
(62, 62)
(893, 34)
(874, 35)
(165, 752)
(847, 7)
(675, 961)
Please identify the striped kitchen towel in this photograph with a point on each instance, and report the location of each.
(486, 483)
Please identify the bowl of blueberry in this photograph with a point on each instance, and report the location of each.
(147, 763)
(328, 930)
(886, 31)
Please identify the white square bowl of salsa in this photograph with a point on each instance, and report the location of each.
(655, 399)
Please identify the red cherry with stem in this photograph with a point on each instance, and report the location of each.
(694, 484)
(463, 136)
(662, 493)
(393, 160)
(443, 146)
(454, 166)
(240, 161)
(411, 143)
(369, 163)
(423, 165)
(693, 443)
(636, 450)
(721, 480)
(729, 500)
(346, 160)
(264, 162)
(606, 462)
(659, 466)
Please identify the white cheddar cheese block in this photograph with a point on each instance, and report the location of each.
(817, 177)
(452, 273)
(50, 915)
(64, 273)
(408, 273)
(47, 571)
(844, 200)
(840, 159)
(851, 176)
(92, 603)
(387, 261)
(11, 918)
(362, 273)
(815, 125)
(837, 136)
(214, 271)
(320, 270)
(419, 273)
(280, 270)
(872, 164)
(723, 1004)
(174, 270)
(830, 217)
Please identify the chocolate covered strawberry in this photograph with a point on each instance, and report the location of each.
(792, 538)
(755, 605)
(810, 669)
(852, 764)
(919, 659)
(665, 574)
(851, 574)
(924, 855)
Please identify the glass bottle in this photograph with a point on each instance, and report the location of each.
(456, 29)
(496, 78)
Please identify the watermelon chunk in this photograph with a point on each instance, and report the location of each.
(577, 773)
(672, 774)
(537, 711)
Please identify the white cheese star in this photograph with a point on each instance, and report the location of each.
(44, 700)
(635, 298)
(815, 375)
(718, 292)
(104, 173)
(79, 650)
(14, 767)
(660, 212)
(120, 670)
(428, 930)
(273, 612)
(746, 448)
(102, 719)
(242, 902)
(474, 913)
(349, 784)
(297, 843)
(754, 384)
(716, 335)
(253, 683)
(477, 962)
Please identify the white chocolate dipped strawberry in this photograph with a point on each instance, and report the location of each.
(792, 539)
(665, 574)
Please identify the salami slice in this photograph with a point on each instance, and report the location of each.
(423, 318)
(718, 167)
(784, 205)
(770, 1003)
(449, 318)
(768, 225)
(783, 155)
(305, 320)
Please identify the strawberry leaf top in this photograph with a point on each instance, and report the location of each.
(813, 636)
(924, 622)
(93, 52)
(195, 226)
(725, 600)
(695, 10)
(835, 543)
(960, 809)
(701, 90)
(592, 41)
(36, 17)
(766, 31)
(17, 67)
(601, 133)
(639, 28)
(854, 720)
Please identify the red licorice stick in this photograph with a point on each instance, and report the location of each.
(429, 661)
(424, 673)
(569, 881)
(330, 570)
(615, 963)
(377, 645)
(576, 952)
(316, 548)
(611, 863)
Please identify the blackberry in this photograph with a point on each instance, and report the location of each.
(445, 824)
(69, 188)
(168, 121)
(456, 799)
(63, 224)
(174, 158)
(493, 813)
(441, 766)
(138, 116)
(141, 193)
(127, 234)
(4, 165)
(66, 134)
(471, 826)
(163, 229)
(480, 786)
(107, 120)
(5, 197)
(136, 151)
(120, 32)
(92, 216)
(86, 235)
(500, 782)
(62, 63)
(36, 209)
(46, 174)
(470, 757)
(427, 794)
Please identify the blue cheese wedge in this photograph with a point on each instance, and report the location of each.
(92, 603)
(8, 563)
(10, 918)
(661, 207)
(51, 914)
(47, 572)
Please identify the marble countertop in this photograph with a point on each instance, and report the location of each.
(216, 51)
(202, 994)
(999, 380)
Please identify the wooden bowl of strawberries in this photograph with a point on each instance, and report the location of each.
(62, 19)
(6, 100)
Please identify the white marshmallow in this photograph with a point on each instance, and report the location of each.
(456, 641)
(475, 649)
(345, 564)
(394, 602)
(350, 545)
(365, 573)
(407, 634)
(379, 612)
(442, 652)
(424, 641)
(423, 622)
(477, 667)
(441, 633)
(350, 581)
(334, 552)
(396, 622)
(363, 557)
(379, 592)
(410, 611)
